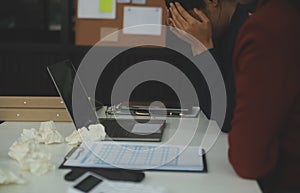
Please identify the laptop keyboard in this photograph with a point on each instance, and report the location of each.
(115, 130)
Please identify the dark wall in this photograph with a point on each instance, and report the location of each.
(23, 67)
(23, 71)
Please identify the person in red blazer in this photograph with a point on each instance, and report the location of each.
(264, 141)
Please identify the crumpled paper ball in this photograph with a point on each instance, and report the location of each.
(8, 177)
(30, 158)
(95, 132)
(48, 133)
(20, 149)
(26, 152)
(29, 134)
(38, 163)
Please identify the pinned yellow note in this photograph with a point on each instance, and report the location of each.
(106, 6)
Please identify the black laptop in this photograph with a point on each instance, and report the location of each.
(64, 75)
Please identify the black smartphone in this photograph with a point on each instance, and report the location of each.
(111, 174)
(187, 4)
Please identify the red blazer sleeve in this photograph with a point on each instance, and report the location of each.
(265, 92)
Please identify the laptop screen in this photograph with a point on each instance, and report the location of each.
(64, 76)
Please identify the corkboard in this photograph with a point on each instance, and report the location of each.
(88, 31)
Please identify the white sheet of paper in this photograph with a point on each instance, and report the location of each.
(141, 2)
(109, 34)
(90, 9)
(135, 156)
(123, 1)
(135, 19)
(146, 128)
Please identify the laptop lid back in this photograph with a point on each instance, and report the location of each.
(63, 75)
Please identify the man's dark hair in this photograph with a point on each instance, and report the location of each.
(295, 3)
(188, 4)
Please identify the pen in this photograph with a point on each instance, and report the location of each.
(142, 113)
(177, 114)
(147, 113)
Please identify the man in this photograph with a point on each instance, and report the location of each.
(264, 139)
(216, 26)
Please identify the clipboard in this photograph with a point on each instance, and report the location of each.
(111, 174)
(187, 159)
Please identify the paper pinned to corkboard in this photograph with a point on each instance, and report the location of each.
(109, 34)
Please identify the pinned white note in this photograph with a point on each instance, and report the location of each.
(109, 34)
(137, 20)
(141, 2)
(97, 9)
(123, 1)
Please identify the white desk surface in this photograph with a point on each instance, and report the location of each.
(220, 177)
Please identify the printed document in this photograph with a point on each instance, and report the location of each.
(135, 156)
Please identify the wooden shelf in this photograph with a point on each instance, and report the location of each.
(32, 109)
